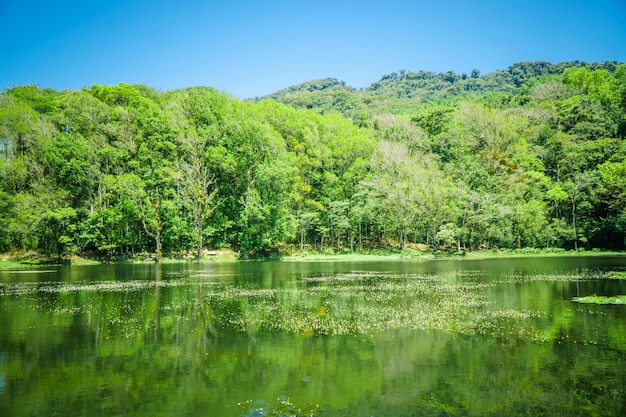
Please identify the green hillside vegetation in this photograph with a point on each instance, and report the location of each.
(399, 93)
(530, 157)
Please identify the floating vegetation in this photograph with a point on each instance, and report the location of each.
(597, 299)
(582, 276)
(357, 303)
(616, 275)
(22, 288)
(283, 406)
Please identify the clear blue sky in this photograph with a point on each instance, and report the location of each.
(253, 48)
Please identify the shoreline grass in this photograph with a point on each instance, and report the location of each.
(10, 261)
(474, 255)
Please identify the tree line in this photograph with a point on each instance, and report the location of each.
(126, 169)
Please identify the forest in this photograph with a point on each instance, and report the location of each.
(528, 157)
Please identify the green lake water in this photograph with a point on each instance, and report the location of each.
(497, 337)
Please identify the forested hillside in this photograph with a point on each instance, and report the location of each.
(533, 156)
(400, 92)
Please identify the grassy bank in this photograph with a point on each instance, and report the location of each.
(22, 260)
(27, 259)
(428, 255)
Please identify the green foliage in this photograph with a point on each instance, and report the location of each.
(526, 157)
(434, 119)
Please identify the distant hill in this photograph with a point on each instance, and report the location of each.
(402, 91)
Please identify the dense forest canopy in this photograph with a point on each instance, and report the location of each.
(532, 156)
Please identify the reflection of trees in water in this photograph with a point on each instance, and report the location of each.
(358, 344)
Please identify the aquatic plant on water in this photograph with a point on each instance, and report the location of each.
(596, 299)
(358, 303)
(282, 407)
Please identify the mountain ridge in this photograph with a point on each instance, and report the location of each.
(421, 87)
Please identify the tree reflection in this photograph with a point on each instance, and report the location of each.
(339, 344)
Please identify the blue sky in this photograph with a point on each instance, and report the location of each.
(253, 48)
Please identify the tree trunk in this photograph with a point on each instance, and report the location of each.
(199, 240)
(351, 242)
(574, 225)
(157, 238)
(246, 237)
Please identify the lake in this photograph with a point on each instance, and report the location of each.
(495, 337)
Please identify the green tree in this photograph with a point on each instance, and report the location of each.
(263, 185)
(397, 180)
(579, 189)
(198, 190)
(20, 125)
(613, 190)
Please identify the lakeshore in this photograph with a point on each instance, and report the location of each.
(26, 259)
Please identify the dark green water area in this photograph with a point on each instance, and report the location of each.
(496, 337)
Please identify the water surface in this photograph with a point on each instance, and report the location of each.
(497, 337)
